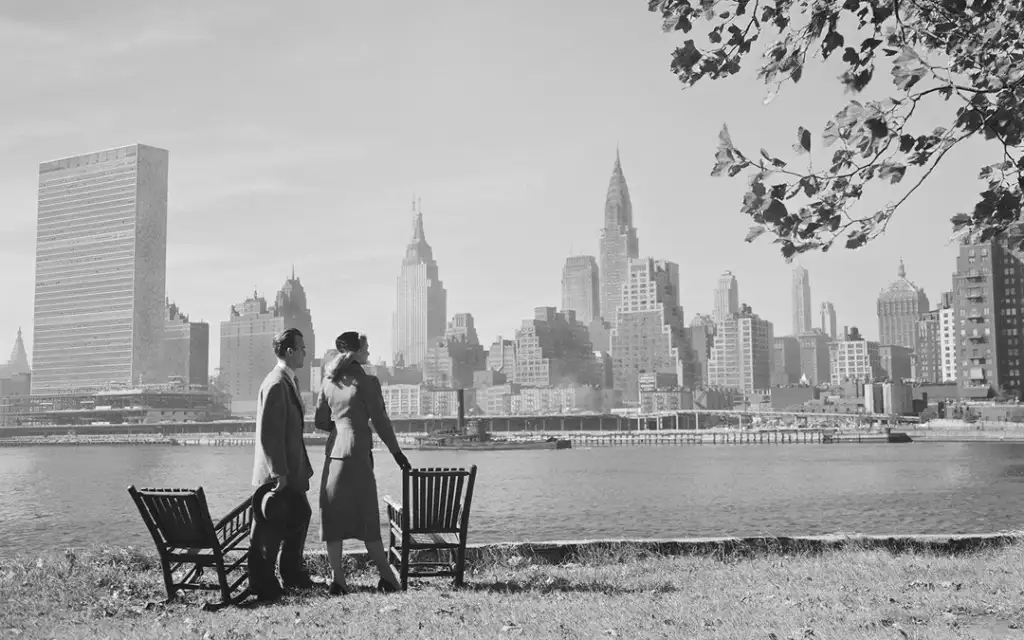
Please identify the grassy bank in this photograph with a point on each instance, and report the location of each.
(614, 592)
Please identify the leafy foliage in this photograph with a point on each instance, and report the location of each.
(968, 52)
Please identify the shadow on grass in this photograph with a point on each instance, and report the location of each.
(563, 585)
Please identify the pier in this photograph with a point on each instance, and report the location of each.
(685, 427)
(617, 439)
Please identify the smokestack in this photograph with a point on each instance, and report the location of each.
(460, 394)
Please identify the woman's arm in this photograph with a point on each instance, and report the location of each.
(379, 415)
(322, 417)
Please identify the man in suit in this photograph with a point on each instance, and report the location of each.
(280, 457)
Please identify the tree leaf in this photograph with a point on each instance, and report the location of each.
(686, 57)
(803, 141)
(753, 234)
(960, 221)
(775, 212)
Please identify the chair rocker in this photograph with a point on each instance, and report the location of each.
(433, 517)
(188, 541)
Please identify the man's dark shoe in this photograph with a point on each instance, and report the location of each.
(269, 595)
(300, 583)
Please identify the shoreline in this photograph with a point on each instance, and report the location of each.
(567, 551)
(579, 439)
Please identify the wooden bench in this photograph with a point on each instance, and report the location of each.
(433, 516)
(184, 534)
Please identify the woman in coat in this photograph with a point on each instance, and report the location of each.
(350, 399)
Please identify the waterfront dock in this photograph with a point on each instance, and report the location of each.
(578, 439)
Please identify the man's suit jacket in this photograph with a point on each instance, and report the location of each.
(280, 450)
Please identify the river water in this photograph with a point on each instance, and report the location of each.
(54, 497)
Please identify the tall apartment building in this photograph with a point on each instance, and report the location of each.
(186, 353)
(897, 362)
(553, 349)
(785, 361)
(649, 334)
(502, 357)
(802, 322)
(462, 327)
(855, 359)
(453, 361)
(422, 301)
(101, 257)
(247, 339)
(828, 319)
(900, 306)
(618, 243)
(701, 338)
(948, 340)
(743, 355)
(581, 288)
(929, 347)
(815, 358)
(727, 297)
(988, 292)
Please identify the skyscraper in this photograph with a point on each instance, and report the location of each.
(247, 338)
(422, 300)
(727, 297)
(186, 348)
(553, 349)
(581, 288)
(828, 319)
(101, 257)
(619, 243)
(743, 355)
(988, 289)
(900, 306)
(801, 302)
(17, 364)
(650, 335)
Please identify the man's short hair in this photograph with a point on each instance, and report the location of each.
(285, 340)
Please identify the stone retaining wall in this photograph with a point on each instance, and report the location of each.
(563, 551)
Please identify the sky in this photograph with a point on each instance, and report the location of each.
(299, 136)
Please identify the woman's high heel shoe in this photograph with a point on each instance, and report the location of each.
(385, 587)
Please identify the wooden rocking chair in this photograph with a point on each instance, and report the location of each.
(179, 521)
(433, 516)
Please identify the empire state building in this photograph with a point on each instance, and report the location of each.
(422, 300)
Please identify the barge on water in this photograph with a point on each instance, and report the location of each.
(477, 438)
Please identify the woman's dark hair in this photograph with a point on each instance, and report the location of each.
(348, 344)
(285, 340)
(349, 341)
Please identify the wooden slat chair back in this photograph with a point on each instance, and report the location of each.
(186, 537)
(433, 516)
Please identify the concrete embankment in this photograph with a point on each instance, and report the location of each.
(563, 551)
(924, 434)
(1008, 435)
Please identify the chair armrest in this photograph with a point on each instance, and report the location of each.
(388, 500)
(234, 513)
(394, 510)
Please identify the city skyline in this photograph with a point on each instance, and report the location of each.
(241, 174)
